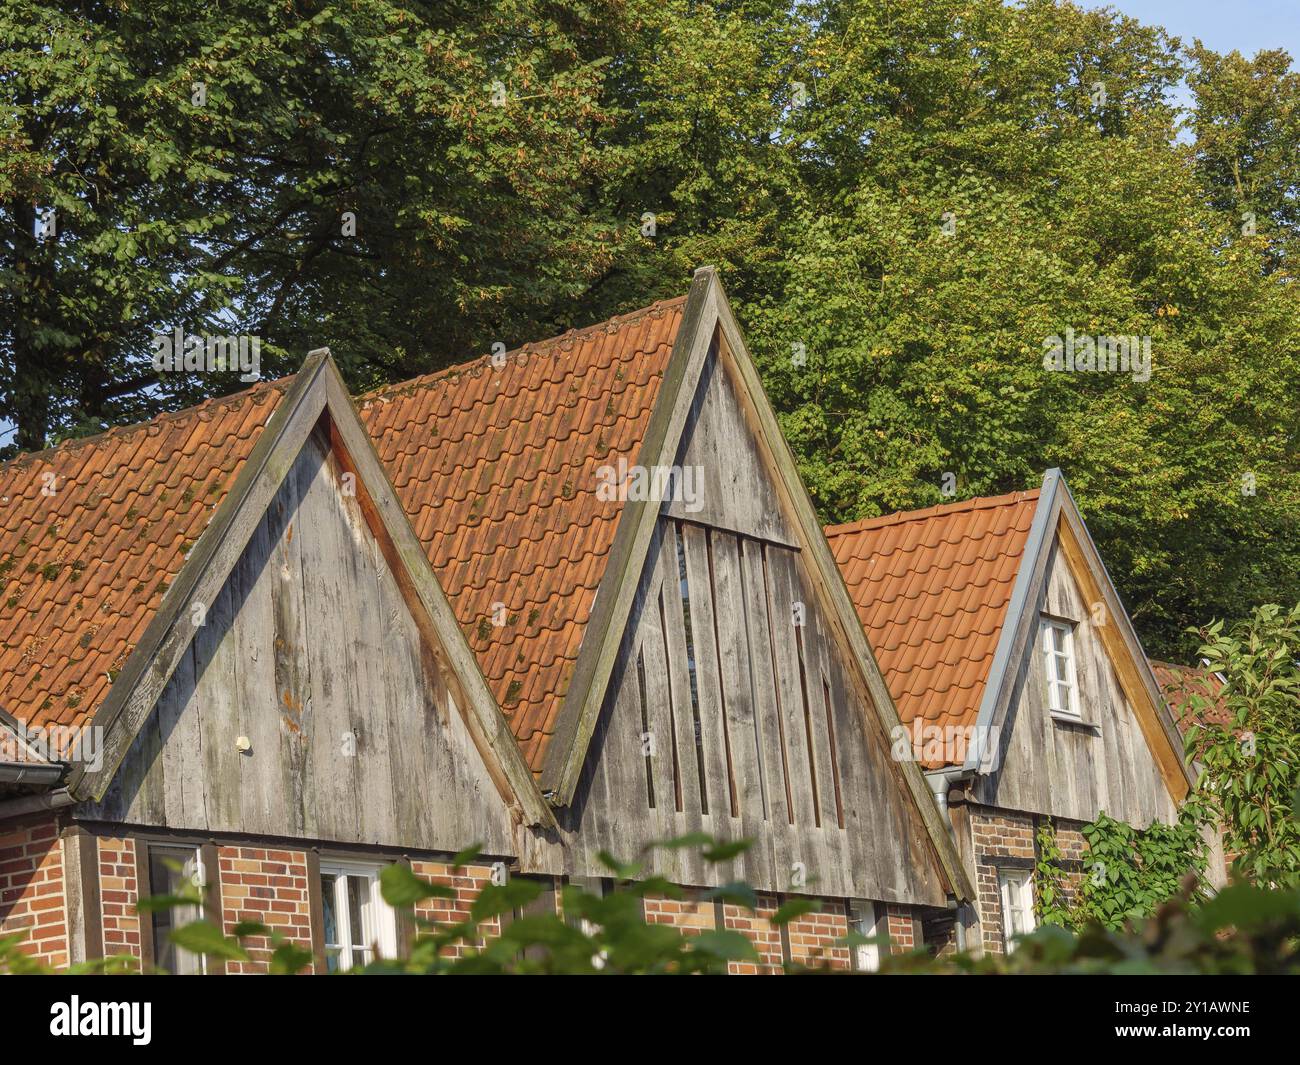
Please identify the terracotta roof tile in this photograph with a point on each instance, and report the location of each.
(91, 534)
(495, 465)
(1180, 682)
(932, 588)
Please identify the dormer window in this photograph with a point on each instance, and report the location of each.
(1058, 664)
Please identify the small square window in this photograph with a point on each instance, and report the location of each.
(1017, 888)
(358, 923)
(1058, 662)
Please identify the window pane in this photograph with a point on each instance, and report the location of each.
(173, 871)
(358, 888)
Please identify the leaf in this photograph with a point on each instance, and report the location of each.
(401, 888)
(202, 937)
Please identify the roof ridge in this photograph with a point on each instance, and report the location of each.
(24, 459)
(229, 400)
(939, 510)
(536, 347)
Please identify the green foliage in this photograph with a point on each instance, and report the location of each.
(1051, 895)
(812, 152)
(1127, 873)
(1249, 753)
(1244, 929)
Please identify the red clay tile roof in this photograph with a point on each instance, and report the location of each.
(495, 466)
(932, 587)
(497, 471)
(91, 534)
(1179, 683)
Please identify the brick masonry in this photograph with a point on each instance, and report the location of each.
(118, 893)
(813, 936)
(267, 885)
(765, 936)
(1003, 838)
(904, 936)
(31, 890)
(467, 882)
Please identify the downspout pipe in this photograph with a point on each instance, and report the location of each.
(941, 781)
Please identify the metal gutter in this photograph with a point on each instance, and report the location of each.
(30, 773)
(27, 804)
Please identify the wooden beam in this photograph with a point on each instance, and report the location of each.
(81, 884)
(612, 608)
(1153, 718)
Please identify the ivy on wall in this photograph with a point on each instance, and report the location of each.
(1127, 872)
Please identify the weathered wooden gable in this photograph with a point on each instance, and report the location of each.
(1052, 766)
(733, 708)
(310, 654)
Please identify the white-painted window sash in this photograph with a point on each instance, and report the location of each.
(357, 935)
(1059, 667)
(864, 921)
(1017, 891)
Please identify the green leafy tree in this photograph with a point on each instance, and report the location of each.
(1246, 741)
(405, 182)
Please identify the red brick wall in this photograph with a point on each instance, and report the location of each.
(267, 885)
(118, 893)
(813, 936)
(765, 936)
(1002, 834)
(467, 882)
(903, 933)
(31, 890)
(690, 914)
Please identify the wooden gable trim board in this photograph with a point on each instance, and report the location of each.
(708, 319)
(613, 603)
(1015, 626)
(414, 573)
(318, 389)
(1057, 520)
(1125, 649)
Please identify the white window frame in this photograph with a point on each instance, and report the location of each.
(1062, 695)
(1016, 888)
(864, 921)
(379, 922)
(192, 870)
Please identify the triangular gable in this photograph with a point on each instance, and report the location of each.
(317, 397)
(1058, 525)
(308, 703)
(709, 344)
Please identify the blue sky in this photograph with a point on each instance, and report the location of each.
(1246, 25)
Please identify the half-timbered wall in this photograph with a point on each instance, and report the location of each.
(1070, 770)
(732, 710)
(311, 654)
